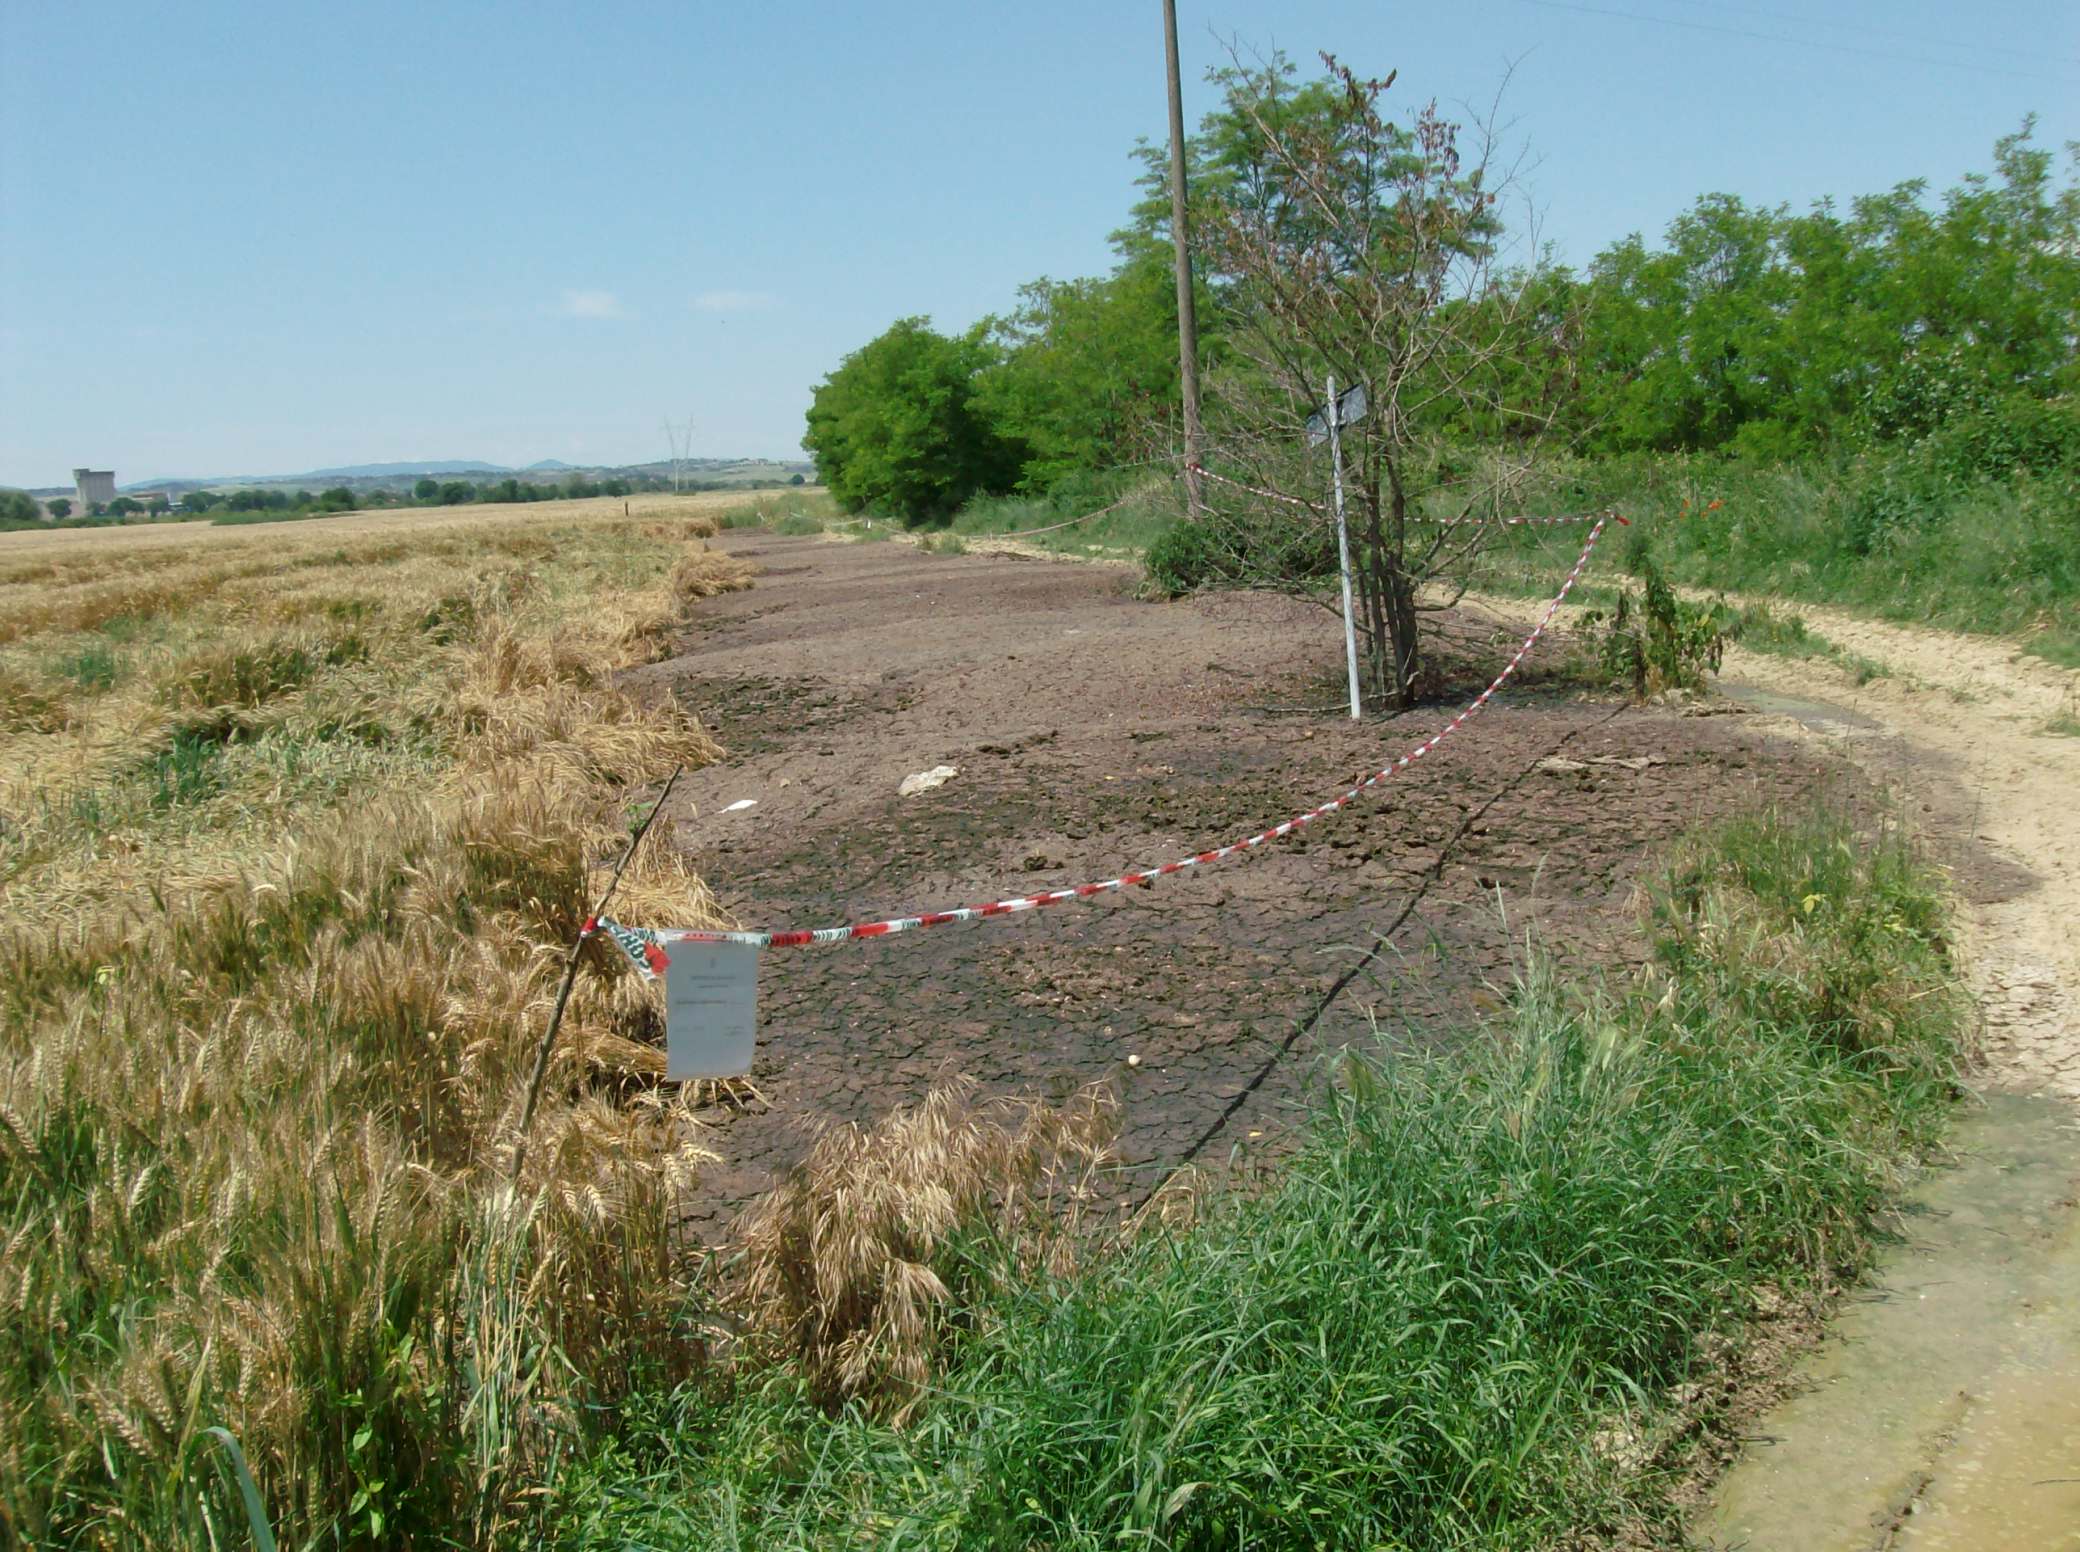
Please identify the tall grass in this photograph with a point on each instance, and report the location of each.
(1892, 534)
(1145, 506)
(282, 902)
(1470, 1314)
(788, 511)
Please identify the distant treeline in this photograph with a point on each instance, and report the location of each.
(1749, 331)
(266, 503)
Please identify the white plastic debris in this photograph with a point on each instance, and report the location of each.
(740, 805)
(924, 781)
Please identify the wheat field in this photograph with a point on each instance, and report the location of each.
(296, 822)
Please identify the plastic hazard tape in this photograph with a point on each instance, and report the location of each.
(644, 946)
(1486, 522)
(1256, 490)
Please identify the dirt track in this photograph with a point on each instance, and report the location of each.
(1093, 732)
(1945, 1410)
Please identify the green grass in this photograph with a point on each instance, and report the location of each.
(1760, 628)
(1150, 508)
(1464, 1315)
(785, 512)
(1888, 535)
(2060, 647)
(93, 666)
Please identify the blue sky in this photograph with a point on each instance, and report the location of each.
(265, 237)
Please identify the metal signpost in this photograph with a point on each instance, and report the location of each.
(1335, 414)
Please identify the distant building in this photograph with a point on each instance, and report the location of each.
(95, 487)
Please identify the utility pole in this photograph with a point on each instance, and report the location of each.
(1181, 245)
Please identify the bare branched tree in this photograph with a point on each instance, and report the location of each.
(1343, 244)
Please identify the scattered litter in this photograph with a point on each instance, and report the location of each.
(924, 781)
(740, 804)
(1133, 1061)
(1560, 765)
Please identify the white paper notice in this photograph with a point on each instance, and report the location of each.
(710, 1010)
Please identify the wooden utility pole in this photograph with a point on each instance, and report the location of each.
(1181, 245)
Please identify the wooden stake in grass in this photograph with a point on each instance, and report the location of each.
(570, 975)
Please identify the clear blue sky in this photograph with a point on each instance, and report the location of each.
(241, 237)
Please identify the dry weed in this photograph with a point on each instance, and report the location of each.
(847, 1263)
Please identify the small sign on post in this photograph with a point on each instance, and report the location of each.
(710, 1010)
(1350, 409)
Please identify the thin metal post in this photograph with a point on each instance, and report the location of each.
(1343, 551)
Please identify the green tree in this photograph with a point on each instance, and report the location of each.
(18, 508)
(124, 506)
(1087, 368)
(1343, 243)
(60, 508)
(1761, 332)
(897, 426)
(427, 490)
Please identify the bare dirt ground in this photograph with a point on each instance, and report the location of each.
(1093, 732)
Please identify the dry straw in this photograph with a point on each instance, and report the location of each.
(293, 830)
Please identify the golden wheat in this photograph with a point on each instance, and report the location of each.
(291, 831)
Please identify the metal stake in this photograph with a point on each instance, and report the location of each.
(1343, 550)
(570, 976)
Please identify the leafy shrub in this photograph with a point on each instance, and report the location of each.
(1181, 560)
(1246, 548)
(1655, 641)
(2015, 435)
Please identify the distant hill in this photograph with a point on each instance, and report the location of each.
(707, 473)
(384, 471)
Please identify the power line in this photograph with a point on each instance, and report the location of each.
(1804, 43)
(1925, 42)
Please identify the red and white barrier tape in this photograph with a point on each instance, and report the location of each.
(637, 941)
(1256, 490)
(1488, 522)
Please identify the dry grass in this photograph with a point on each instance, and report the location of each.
(847, 1264)
(29, 547)
(292, 825)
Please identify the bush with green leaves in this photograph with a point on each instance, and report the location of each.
(1652, 640)
(897, 429)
